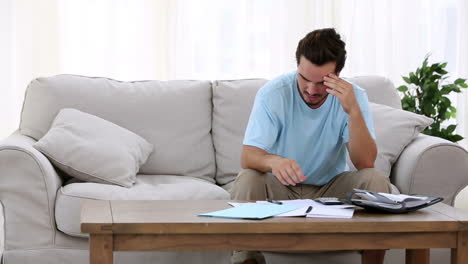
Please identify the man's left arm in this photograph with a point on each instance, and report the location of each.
(361, 146)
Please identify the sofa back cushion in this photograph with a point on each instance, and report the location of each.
(174, 116)
(233, 101)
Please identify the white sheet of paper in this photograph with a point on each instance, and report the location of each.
(319, 209)
(330, 212)
(401, 197)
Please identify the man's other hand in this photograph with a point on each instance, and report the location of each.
(287, 171)
(344, 91)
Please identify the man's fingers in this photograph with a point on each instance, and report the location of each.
(288, 177)
(280, 177)
(334, 86)
(284, 178)
(334, 92)
(299, 173)
(292, 175)
(288, 172)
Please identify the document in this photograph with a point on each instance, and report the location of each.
(311, 208)
(307, 208)
(328, 211)
(317, 209)
(252, 211)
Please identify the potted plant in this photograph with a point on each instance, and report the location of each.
(426, 94)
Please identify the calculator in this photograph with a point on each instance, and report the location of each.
(329, 200)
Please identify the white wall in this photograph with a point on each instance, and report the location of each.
(6, 104)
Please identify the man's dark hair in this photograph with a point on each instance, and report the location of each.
(322, 46)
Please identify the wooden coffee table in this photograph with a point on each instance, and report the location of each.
(175, 226)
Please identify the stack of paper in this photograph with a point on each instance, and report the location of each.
(252, 211)
(317, 209)
(287, 208)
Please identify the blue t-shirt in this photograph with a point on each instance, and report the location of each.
(281, 123)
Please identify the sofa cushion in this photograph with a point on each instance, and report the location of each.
(233, 101)
(92, 149)
(394, 130)
(147, 187)
(379, 90)
(174, 116)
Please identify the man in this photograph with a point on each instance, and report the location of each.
(300, 128)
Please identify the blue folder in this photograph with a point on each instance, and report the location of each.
(252, 211)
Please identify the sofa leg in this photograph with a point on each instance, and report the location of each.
(373, 256)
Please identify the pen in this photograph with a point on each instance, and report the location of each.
(274, 201)
(309, 209)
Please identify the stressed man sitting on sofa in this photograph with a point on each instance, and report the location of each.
(299, 129)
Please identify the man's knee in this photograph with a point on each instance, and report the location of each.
(248, 184)
(374, 179)
(369, 174)
(248, 177)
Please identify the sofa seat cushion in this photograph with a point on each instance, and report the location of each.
(147, 187)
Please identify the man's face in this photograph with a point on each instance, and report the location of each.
(310, 81)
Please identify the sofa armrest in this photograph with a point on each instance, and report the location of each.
(28, 187)
(431, 166)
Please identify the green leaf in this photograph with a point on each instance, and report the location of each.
(459, 81)
(446, 89)
(444, 100)
(441, 71)
(456, 138)
(424, 65)
(427, 109)
(413, 78)
(403, 88)
(451, 128)
(407, 80)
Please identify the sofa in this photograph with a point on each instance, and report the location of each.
(196, 128)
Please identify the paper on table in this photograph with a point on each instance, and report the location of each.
(318, 209)
(252, 211)
(331, 212)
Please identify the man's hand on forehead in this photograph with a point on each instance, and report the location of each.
(343, 90)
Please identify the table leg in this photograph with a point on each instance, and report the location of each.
(101, 249)
(418, 256)
(373, 256)
(460, 254)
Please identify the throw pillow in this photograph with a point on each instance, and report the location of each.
(92, 149)
(394, 130)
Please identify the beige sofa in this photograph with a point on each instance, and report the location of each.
(196, 128)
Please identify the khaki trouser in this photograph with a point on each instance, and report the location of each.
(255, 185)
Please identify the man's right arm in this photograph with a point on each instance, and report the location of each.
(287, 171)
